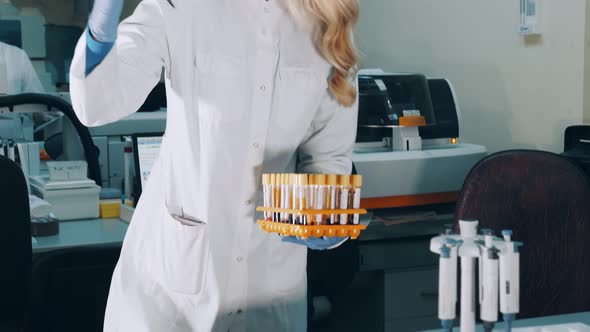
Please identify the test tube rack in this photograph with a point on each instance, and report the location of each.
(312, 205)
(312, 230)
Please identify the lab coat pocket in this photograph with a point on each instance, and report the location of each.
(186, 254)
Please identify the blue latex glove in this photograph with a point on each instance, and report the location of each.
(316, 243)
(102, 31)
(104, 20)
(95, 52)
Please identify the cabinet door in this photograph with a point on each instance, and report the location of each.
(411, 294)
(402, 254)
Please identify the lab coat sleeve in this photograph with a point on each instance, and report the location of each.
(30, 81)
(328, 145)
(119, 85)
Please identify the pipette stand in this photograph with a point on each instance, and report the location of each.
(498, 261)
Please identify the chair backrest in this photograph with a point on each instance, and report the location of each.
(577, 146)
(545, 200)
(574, 135)
(70, 287)
(91, 151)
(15, 245)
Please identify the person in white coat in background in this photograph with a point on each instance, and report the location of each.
(16, 72)
(252, 86)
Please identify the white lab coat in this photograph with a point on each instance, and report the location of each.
(247, 93)
(16, 72)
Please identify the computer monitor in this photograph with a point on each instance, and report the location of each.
(146, 149)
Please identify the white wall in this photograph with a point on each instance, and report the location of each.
(514, 93)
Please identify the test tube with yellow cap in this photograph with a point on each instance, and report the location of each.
(357, 182)
(279, 195)
(344, 186)
(289, 197)
(303, 184)
(321, 197)
(332, 202)
(266, 194)
(283, 179)
(311, 191)
(294, 196)
(273, 189)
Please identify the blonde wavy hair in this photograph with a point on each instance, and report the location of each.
(332, 23)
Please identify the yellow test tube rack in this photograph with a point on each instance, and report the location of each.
(313, 205)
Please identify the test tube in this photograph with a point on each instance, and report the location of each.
(285, 195)
(321, 196)
(289, 197)
(332, 198)
(311, 184)
(266, 194)
(303, 201)
(275, 196)
(295, 197)
(282, 189)
(271, 194)
(357, 182)
(344, 185)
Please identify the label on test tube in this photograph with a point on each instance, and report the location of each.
(311, 194)
(332, 199)
(273, 186)
(320, 196)
(303, 184)
(344, 186)
(265, 194)
(283, 196)
(289, 198)
(295, 196)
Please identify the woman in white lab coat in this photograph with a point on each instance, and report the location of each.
(250, 89)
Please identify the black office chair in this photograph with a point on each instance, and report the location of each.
(577, 146)
(91, 152)
(70, 289)
(545, 200)
(15, 246)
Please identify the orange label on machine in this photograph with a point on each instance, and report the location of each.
(412, 121)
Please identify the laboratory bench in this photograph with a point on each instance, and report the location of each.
(82, 233)
(71, 274)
